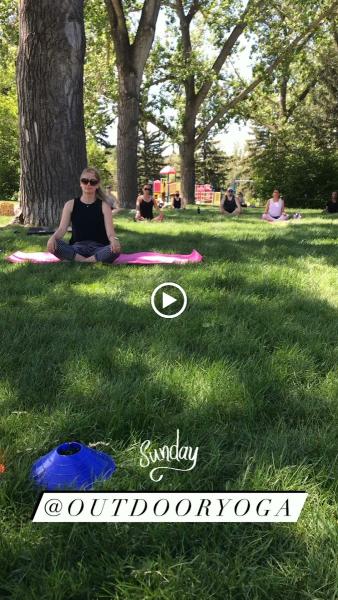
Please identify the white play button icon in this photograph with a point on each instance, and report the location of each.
(161, 299)
(167, 300)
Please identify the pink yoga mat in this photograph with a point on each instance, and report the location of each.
(137, 258)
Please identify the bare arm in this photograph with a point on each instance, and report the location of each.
(138, 212)
(64, 224)
(156, 205)
(108, 223)
(267, 206)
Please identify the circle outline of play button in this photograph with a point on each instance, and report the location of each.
(182, 309)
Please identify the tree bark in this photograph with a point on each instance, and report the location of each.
(50, 96)
(187, 154)
(130, 59)
(127, 139)
(283, 97)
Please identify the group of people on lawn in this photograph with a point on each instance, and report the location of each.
(93, 236)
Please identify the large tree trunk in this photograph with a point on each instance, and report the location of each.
(50, 94)
(130, 59)
(127, 139)
(187, 154)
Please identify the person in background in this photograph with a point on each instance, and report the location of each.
(230, 206)
(112, 201)
(161, 201)
(145, 205)
(93, 236)
(177, 201)
(275, 209)
(332, 205)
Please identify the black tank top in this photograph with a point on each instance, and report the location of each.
(229, 204)
(177, 202)
(88, 222)
(146, 209)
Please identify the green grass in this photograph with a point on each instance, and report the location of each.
(248, 373)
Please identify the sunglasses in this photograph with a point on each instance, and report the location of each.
(147, 189)
(90, 181)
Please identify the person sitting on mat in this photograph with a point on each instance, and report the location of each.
(93, 236)
(177, 201)
(230, 205)
(144, 206)
(275, 209)
(332, 205)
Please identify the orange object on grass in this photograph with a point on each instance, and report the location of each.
(2, 468)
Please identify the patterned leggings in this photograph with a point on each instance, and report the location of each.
(86, 248)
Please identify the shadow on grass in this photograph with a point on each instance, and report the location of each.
(247, 374)
(68, 351)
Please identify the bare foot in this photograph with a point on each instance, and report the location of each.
(79, 258)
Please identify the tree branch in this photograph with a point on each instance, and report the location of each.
(151, 118)
(301, 97)
(160, 80)
(225, 53)
(194, 8)
(145, 34)
(296, 44)
(189, 82)
(119, 29)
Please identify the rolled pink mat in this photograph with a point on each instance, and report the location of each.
(34, 257)
(136, 258)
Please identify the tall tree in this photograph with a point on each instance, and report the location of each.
(50, 95)
(131, 57)
(206, 83)
(296, 148)
(150, 153)
(211, 165)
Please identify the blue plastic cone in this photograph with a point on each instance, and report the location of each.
(72, 466)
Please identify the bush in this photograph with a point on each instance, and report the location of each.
(305, 176)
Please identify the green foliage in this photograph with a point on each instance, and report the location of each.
(9, 30)
(100, 82)
(149, 156)
(304, 174)
(101, 158)
(296, 148)
(9, 145)
(9, 135)
(211, 165)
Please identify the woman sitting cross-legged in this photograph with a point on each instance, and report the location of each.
(93, 236)
(274, 210)
(145, 205)
(230, 205)
(176, 201)
(332, 205)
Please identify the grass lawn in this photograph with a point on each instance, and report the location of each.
(249, 373)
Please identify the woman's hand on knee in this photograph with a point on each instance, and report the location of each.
(51, 245)
(115, 246)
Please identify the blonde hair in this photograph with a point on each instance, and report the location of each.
(99, 192)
